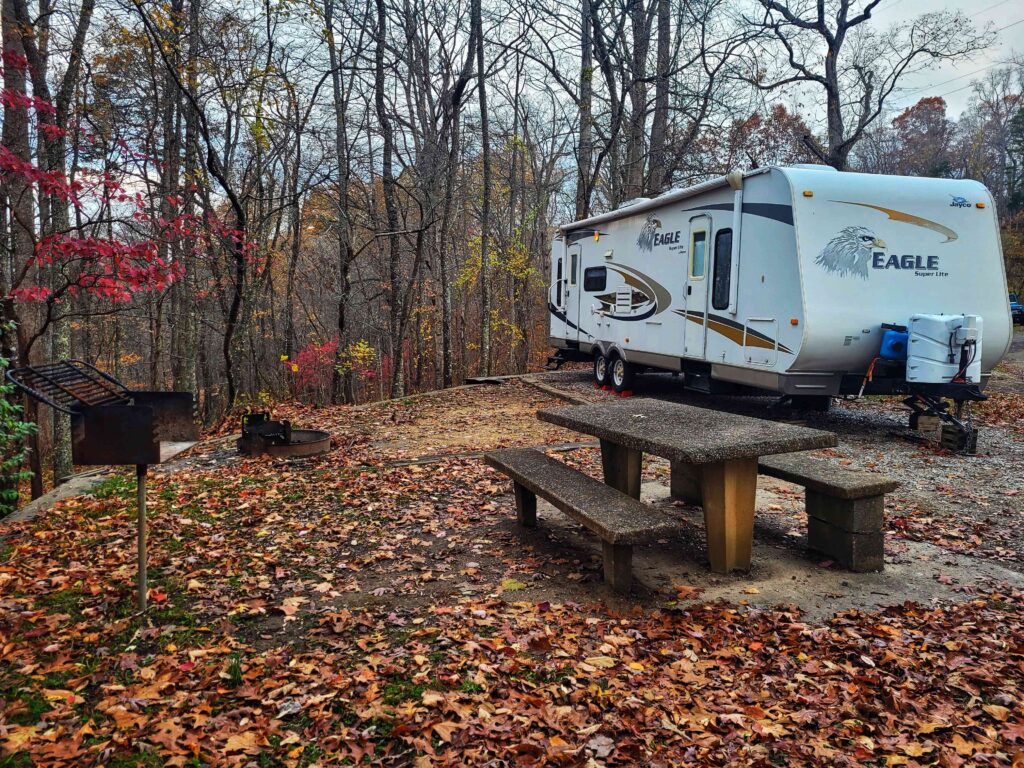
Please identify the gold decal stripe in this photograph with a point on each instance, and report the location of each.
(734, 334)
(908, 218)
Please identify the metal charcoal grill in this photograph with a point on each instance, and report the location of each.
(112, 424)
(261, 434)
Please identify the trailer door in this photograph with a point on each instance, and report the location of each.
(557, 292)
(696, 295)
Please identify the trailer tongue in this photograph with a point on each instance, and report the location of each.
(939, 357)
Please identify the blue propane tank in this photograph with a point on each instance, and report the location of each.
(894, 344)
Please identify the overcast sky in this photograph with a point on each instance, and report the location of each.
(953, 81)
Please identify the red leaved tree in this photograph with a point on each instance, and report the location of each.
(53, 270)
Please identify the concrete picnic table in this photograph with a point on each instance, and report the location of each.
(713, 452)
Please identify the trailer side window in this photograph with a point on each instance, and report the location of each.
(723, 269)
(698, 255)
(573, 263)
(558, 284)
(595, 279)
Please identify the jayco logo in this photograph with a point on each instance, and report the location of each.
(959, 202)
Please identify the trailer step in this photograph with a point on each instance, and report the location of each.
(698, 382)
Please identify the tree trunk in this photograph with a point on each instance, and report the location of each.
(636, 134)
(586, 148)
(20, 199)
(395, 324)
(341, 376)
(485, 210)
(659, 127)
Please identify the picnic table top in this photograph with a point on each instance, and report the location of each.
(686, 433)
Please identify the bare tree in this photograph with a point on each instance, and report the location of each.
(831, 45)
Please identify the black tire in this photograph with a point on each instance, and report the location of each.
(602, 374)
(622, 375)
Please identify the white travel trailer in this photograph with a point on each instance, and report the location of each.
(799, 280)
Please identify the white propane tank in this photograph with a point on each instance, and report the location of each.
(939, 345)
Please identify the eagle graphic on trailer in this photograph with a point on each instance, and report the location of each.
(849, 252)
(788, 280)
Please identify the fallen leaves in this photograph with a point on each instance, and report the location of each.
(339, 611)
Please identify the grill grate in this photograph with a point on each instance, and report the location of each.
(70, 385)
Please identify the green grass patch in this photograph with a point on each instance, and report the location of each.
(174, 614)
(198, 514)
(16, 760)
(145, 759)
(310, 754)
(35, 706)
(235, 672)
(402, 689)
(67, 601)
(115, 487)
(55, 679)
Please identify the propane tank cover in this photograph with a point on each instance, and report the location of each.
(934, 339)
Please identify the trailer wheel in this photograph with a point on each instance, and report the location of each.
(622, 375)
(601, 372)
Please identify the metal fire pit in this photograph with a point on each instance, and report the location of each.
(261, 434)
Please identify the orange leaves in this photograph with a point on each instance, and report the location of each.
(291, 605)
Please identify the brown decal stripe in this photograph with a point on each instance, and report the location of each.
(733, 330)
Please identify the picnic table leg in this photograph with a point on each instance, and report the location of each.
(621, 467)
(618, 566)
(729, 489)
(685, 482)
(526, 506)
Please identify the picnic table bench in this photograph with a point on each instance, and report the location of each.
(713, 451)
(620, 520)
(845, 507)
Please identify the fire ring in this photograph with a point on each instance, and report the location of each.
(262, 435)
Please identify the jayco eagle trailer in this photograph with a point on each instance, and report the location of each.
(799, 280)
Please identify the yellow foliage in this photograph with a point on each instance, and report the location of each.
(357, 356)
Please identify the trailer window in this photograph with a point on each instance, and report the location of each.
(558, 284)
(595, 279)
(572, 268)
(723, 269)
(698, 255)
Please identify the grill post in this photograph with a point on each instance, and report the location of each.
(140, 481)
